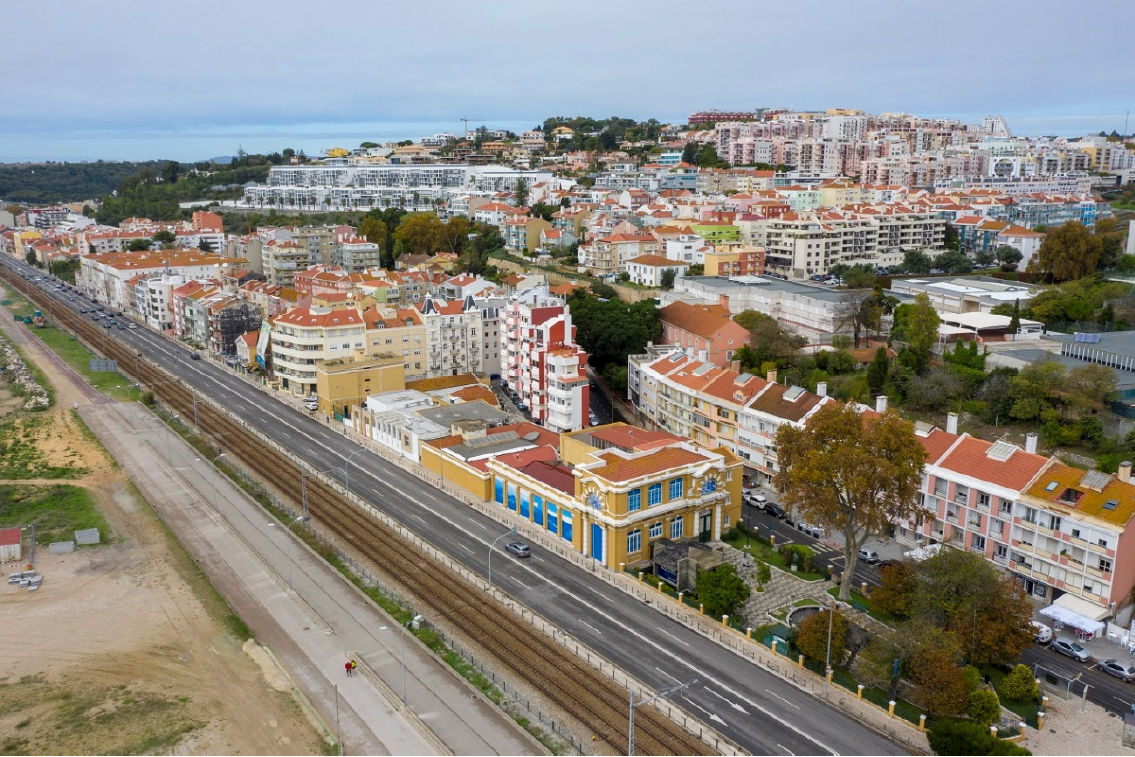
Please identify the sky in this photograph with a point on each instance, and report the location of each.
(125, 80)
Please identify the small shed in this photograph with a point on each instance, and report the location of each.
(9, 544)
(677, 562)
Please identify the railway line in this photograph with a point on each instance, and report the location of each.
(560, 676)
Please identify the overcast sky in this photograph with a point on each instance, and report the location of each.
(131, 80)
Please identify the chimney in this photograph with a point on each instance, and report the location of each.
(822, 389)
(771, 377)
(881, 403)
(735, 366)
(1030, 443)
(952, 423)
(1124, 472)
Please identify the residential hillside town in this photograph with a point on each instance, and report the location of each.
(618, 346)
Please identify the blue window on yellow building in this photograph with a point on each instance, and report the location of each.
(676, 528)
(498, 487)
(655, 530)
(524, 503)
(676, 489)
(512, 497)
(634, 541)
(634, 500)
(654, 495)
(553, 520)
(565, 526)
(537, 509)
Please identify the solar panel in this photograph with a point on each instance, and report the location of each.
(1111, 504)
(1051, 486)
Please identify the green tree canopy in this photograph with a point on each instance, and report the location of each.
(1068, 252)
(721, 590)
(812, 636)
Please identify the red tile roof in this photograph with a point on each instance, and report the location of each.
(970, 457)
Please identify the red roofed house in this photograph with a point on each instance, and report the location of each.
(649, 270)
(706, 332)
(302, 336)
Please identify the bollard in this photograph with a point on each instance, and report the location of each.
(863, 588)
(749, 634)
(800, 661)
(922, 723)
(725, 620)
(680, 595)
(622, 567)
(891, 708)
(993, 731)
(1040, 720)
(701, 609)
(775, 651)
(830, 674)
(859, 692)
(772, 540)
(660, 585)
(640, 576)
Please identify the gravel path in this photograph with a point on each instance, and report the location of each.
(1068, 731)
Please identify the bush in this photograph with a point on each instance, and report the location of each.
(984, 707)
(964, 737)
(764, 573)
(812, 638)
(972, 676)
(803, 554)
(732, 534)
(721, 590)
(1019, 685)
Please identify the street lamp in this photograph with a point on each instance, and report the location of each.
(828, 664)
(213, 477)
(291, 558)
(346, 472)
(511, 532)
(659, 695)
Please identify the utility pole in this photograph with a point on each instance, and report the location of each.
(659, 695)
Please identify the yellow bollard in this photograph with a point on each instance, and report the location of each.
(863, 588)
(640, 576)
(725, 620)
(660, 587)
(1040, 720)
(993, 731)
(891, 708)
(701, 609)
(830, 674)
(680, 595)
(749, 634)
(772, 540)
(922, 723)
(859, 692)
(800, 661)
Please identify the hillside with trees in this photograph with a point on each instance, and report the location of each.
(46, 183)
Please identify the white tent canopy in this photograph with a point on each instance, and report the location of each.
(1078, 613)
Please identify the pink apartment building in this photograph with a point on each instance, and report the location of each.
(705, 332)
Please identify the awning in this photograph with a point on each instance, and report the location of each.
(1078, 613)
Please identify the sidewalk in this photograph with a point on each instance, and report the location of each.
(314, 629)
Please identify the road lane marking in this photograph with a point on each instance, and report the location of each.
(778, 696)
(672, 636)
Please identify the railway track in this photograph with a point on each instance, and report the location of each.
(591, 699)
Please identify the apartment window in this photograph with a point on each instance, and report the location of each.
(1001, 550)
(654, 495)
(655, 530)
(962, 494)
(1105, 565)
(1076, 533)
(634, 541)
(634, 500)
(977, 543)
(676, 529)
(676, 489)
(1102, 542)
(553, 520)
(1006, 507)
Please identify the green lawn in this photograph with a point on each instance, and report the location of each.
(76, 355)
(760, 549)
(55, 511)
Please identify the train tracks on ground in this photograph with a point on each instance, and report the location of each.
(590, 698)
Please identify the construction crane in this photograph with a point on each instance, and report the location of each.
(466, 121)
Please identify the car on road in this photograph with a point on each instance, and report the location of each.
(775, 510)
(195, 356)
(133, 325)
(107, 324)
(1042, 634)
(519, 548)
(1071, 649)
(1124, 671)
(868, 555)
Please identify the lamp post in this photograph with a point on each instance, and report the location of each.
(511, 532)
(346, 472)
(291, 558)
(213, 476)
(659, 695)
(304, 475)
(31, 551)
(828, 663)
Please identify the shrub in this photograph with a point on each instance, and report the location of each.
(973, 677)
(764, 573)
(964, 737)
(721, 590)
(812, 637)
(984, 707)
(1019, 685)
(732, 534)
(802, 553)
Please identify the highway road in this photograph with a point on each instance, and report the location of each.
(1105, 690)
(744, 702)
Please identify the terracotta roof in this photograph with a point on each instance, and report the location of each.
(629, 437)
(974, 457)
(442, 382)
(657, 261)
(618, 468)
(703, 320)
(304, 317)
(473, 393)
(772, 401)
(1106, 497)
(551, 472)
(936, 442)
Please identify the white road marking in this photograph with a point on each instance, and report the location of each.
(663, 672)
(778, 696)
(786, 749)
(672, 636)
(731, 703)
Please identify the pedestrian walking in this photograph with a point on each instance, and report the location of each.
(353, 666)
(349, 668)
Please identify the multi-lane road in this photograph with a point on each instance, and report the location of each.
(758, 710)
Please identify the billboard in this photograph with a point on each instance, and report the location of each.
(262, 344)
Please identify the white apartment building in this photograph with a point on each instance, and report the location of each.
(106, 278)
(302, 336)
(454, 339)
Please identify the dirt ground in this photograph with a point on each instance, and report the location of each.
(125, 647)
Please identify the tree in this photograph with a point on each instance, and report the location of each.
(205, 246)
(984, 707)
(1088, 387)
(520, 193)
(877, 370)
(164, 237)
(812, 636)
(418, 233)
(859, 312)
(667, 280)
(983, 258)
(138, 245)
(1015, 320)
(721, 589)
(453, 234)
(1008, 256)
(690, 153)
(916, 261)
(895, 595)
(854, 474)
(1068, 252)
(1020, 685)
(953, 261)
(768, 340)
(942, 688)
(917, 324)
(764, 573)
(375, 231)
